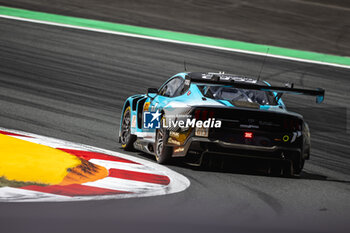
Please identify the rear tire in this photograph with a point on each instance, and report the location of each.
(281, 169)
(126, 138)
(298, 165)
(297, 161)
(163, 153)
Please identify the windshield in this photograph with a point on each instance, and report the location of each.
(232, 94)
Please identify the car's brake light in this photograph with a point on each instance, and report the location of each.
(203, 115)
(248, 135)
(197, 114)
(211, 114)
(292, 125)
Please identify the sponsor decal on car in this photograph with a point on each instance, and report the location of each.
(152, 121)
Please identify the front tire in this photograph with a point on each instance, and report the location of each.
(126, 138)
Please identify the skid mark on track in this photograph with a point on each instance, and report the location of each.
(272, 202)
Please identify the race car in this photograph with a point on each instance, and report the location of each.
(197, 115)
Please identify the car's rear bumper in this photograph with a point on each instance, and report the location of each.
(199, 145)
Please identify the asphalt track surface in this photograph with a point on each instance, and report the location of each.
(312, 25)
(71, 84)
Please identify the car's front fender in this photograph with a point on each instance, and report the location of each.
(128, 102)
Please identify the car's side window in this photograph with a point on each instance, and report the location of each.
(164, 88)
(181, 89)
(171, 87)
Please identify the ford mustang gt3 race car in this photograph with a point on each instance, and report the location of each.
(201, 115)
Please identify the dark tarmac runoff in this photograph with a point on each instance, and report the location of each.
(71, 84)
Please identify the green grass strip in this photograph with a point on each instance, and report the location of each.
(178, 36)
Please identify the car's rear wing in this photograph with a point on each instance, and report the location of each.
(318, 92)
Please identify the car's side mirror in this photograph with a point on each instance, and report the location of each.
(289, 85)
(153, 91)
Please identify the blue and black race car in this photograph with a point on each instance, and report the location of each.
(198, 115)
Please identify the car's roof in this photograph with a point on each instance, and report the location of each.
(209, 75)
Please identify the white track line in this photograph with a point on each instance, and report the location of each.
(133, 186)
(126, 166)
(8, 194)
(175, 41)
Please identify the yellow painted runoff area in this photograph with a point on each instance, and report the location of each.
(21, 160)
